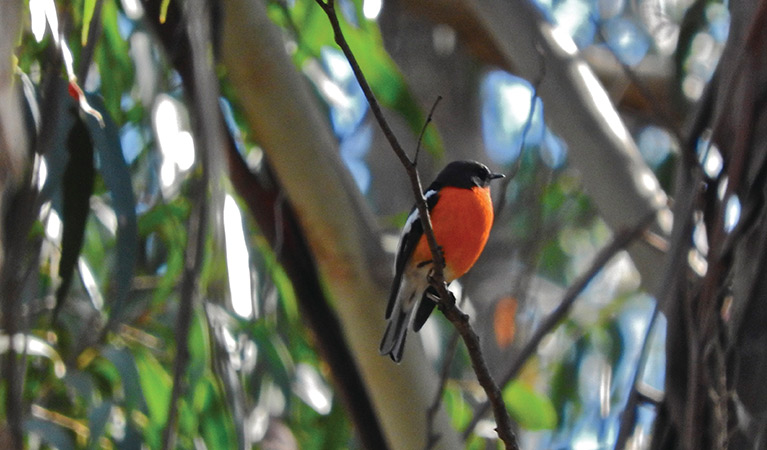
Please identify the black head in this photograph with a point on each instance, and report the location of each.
(465, 174)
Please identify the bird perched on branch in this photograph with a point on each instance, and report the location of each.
(461, 215)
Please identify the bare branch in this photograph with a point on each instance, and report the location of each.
(621, 240)
(204, 94)
(447, 300)
(628, 417)
(410, 166)
(423, 130)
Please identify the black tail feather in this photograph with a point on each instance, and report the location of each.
(424, 310)
(393, 342)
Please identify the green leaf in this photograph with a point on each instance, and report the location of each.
(460, 413)
(88, 7)
(116, 68)
(199, 349)
(278, 358)
(167, 220)
(164, 10)
(156, 385)
(528, 408)
(279, 278)
(216, 426)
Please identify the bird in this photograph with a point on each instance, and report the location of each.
(461, 213)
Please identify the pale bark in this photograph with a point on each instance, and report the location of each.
(288, 124)
(13, 143)
(515, 36)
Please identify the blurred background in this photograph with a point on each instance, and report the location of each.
(201, 221)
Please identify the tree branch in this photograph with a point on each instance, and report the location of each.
(628, 418)
(204, 95)
(336, 223)
(447, 300)
(410, 166)
(516, 37)
(621, 240)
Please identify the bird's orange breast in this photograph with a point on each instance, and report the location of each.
(461, 219)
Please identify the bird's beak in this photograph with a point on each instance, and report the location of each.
(495, 176)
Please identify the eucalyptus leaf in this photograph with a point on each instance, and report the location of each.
(125, 364)
(116, 175)
(529, 408)
(156, 385)
(97, 418)
(88, 8)
(50, 433)
(77, 187)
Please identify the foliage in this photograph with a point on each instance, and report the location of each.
(116, 207)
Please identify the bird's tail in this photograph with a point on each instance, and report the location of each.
(401, 318)
(393, 342)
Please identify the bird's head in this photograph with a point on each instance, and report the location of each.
(466, 174)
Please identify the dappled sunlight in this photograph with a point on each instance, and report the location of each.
(91, 286)
(234, 296)
(512, 116)
(42, 13)
(237, 260)
(33, 346)
(731, 213)
(174, 140)
(312, 389)
(602, 103)
(371, 8)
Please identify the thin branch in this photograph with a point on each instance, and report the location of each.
(628, 417)
(620, 241)
(203, 93)
(189, 282)
(423, 130)
(410, 166)
(493, 391)
(431, 437)
(528, 125)
(447, 300)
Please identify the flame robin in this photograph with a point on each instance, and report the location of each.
(461, 214)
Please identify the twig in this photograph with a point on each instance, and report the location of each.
(528, 125)
(629, 411)
(494, 395)
(195, 248)
(621, 240)
(410, 166)
(431, 437)
(437, 279)
(423, 130)
(203, 94)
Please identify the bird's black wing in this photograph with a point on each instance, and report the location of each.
(411, 234)
(425, 308)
